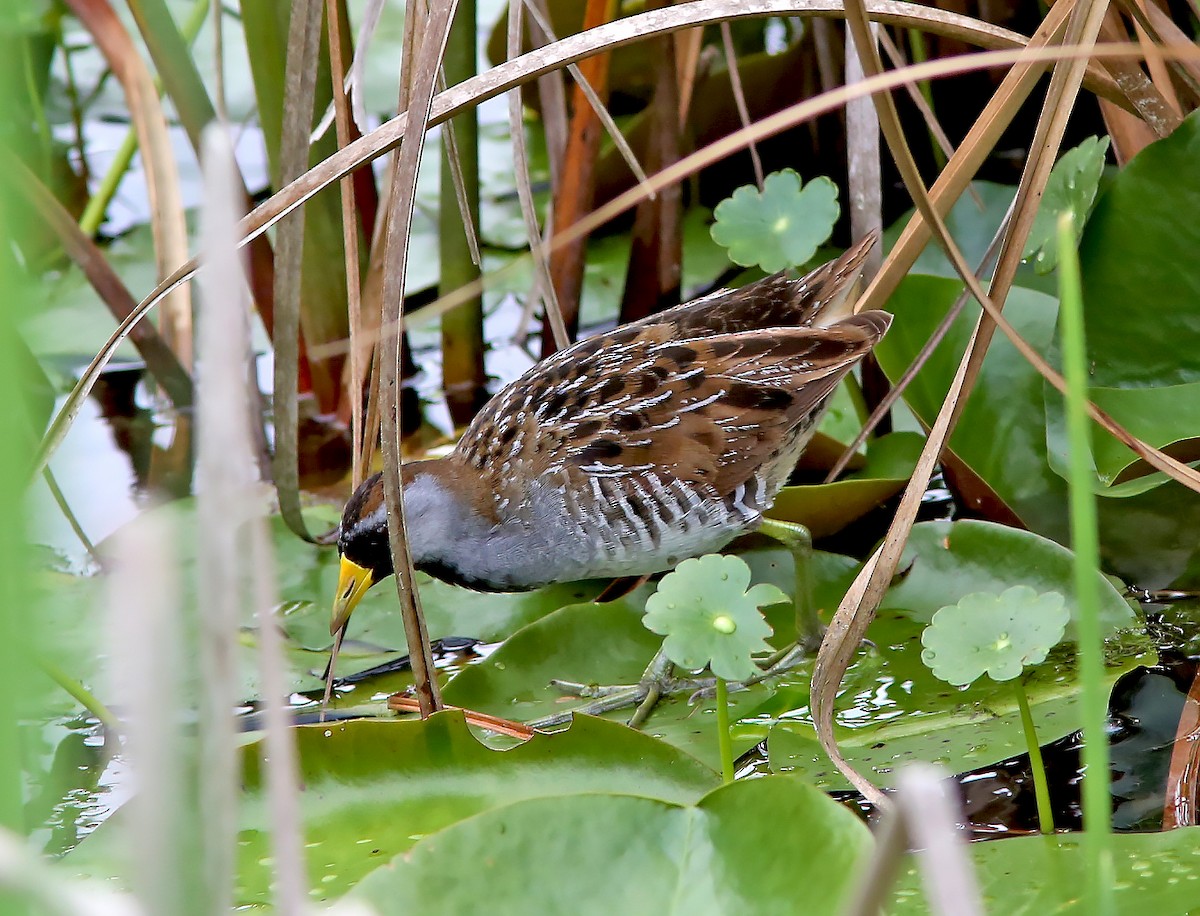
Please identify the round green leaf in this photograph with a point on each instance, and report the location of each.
(944, 561)
(759, 846)
(709, 618)
(992, 634)
(779, 227)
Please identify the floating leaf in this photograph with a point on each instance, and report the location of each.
(992, 634)
(1072, 187)
(769, 845)
(709, 618)
(779, 227)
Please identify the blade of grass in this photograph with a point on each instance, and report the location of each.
(653, 274)
(1041, 788)
(578, 175)
(927, 823)
(226, 502)
(1085, 542)
(739, 97)
(146, 645)
(304, 34)
(594, 99)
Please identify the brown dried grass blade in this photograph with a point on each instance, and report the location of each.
(739, 97)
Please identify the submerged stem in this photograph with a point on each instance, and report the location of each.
(1041, 788)
(724, 740)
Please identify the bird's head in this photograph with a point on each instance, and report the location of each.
(363, 545)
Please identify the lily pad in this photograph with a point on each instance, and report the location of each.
(780, 226)
(945, 561)
(1001, 433)
(996, 635)
(710, 618)
(1153, 873)
(1167, 417)
(372, 789)
(749, 847)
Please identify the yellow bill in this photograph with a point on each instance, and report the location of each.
(353, 582)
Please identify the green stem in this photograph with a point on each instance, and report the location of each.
(97, 205)
(724, 740)
(920, 54)
(76, 690)
(1097, 794)
(1041, 788)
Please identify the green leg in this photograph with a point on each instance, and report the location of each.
(796, 538)
(656, 682)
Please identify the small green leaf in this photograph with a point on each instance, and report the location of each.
(992, 634)
(779, 227)
(1072, 186)
(709, 618)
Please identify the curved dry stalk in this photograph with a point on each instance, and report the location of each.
(739, 96)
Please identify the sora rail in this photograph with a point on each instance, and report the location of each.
(629, 451)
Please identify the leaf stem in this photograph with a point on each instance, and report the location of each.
(1097, 795)
(724, 740)
(1041, 788)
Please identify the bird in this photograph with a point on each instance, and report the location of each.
(629, 451)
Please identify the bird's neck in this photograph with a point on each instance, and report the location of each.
(454, 532)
